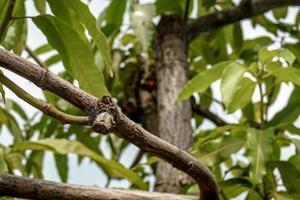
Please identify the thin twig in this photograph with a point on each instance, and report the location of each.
(208, 115)
(32, 54)
(187, 7)
(137, 158)
(46, 108)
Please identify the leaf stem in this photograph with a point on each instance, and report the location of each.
(262, 119)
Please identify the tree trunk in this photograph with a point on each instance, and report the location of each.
(174, 123)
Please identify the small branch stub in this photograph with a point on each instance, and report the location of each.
(103, 115)
(103, 123)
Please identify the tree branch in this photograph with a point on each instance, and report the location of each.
(208, 115)
(21, 187)
(246, 9)
(118, 122)
(46, 108)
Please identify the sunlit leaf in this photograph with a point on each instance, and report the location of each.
(243, 95)
(77, 56)
(202, 81)
(40, 5)
(141, 22)
(290, 176)
(231, 78)
(90, 22)
(63, 146)
(260, 151)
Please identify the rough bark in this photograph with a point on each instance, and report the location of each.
(246, 9)
(174, 123)
(15, 186)
(114, 121)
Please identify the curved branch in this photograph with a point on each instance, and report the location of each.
(246, 9)
(117, 122)
(15, 186)
(46, 108)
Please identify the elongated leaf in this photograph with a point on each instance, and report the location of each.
(40, 5)
(202, 81)
(266, 55)
(170, 7)
(16, 33)
(141, 22)
(215, 152)
(230, 81)
(290, 112)
(280, 13)
(290, 176)
(242, 95)
(77, 56)
(14, 162)
(260, 145)
(63, 146)
(34, 164)
(3, 165)
(90, 22)
(113, 14)
(284, 74)
(62, 167)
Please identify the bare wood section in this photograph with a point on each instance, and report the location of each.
(15, 186)
(246, 9)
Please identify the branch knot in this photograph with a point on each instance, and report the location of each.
(103, 114)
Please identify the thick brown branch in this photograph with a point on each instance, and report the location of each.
(15, 186)
(247, 9)
(121, 125)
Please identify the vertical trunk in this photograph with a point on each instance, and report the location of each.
(172, 73)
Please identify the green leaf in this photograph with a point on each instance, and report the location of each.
(76, 54)
(62, 167)
(113, 14)
(90, 22)
(260, 146)
(34, 164)
(40, 5)
(202, 81)
(170, 7)
(284, 74)
(63, 146)
(295, 160)
(243, 95)
(290, 176)
(3, 165)
(141, 22)
(280, 13)
(43, 49)
(17, 108)
(14, 161)
(217, 151)
(290, 112)
(265, 55)
(231, 78)
(16, 31)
